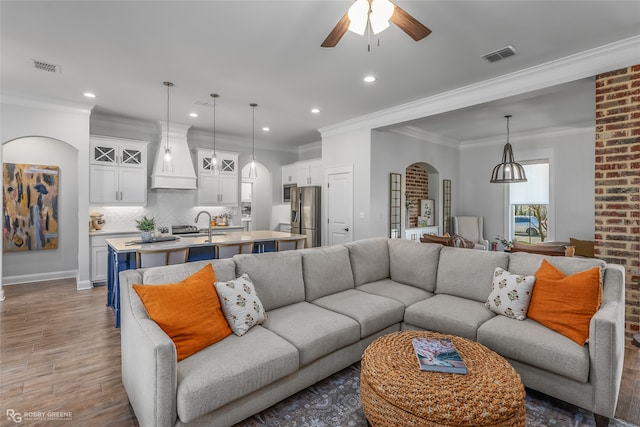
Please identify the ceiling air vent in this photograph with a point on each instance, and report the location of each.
(45, 66)
(203, 103)
(500, 54)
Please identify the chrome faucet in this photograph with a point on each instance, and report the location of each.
(209, 223)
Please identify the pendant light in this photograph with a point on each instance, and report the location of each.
(509, 171)
(166, 165)
(253, 173)
(215, 165)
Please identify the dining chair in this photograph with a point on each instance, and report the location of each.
(290, 244)
(157, 257)
(227, 250)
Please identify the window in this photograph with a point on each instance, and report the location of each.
(529, 204)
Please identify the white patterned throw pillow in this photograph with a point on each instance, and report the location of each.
(510, 294)
(240, 304)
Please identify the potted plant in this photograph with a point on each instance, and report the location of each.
(146, 227)
(505, 243)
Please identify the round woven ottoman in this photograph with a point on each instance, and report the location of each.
(395, 392)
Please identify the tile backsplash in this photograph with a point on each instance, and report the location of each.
(168, 207)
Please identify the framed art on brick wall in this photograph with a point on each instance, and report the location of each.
(426, 212)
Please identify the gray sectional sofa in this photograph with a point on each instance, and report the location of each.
(326, 305)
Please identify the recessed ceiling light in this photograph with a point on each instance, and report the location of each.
(369, 79)
(315, 110)
(266, 129)
(89, 94)
(194, 115)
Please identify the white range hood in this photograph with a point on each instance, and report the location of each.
(179, 172)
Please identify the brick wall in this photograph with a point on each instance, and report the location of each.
(416, 189)
(617, 181)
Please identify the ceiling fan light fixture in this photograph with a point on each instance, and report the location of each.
(358, 15)
(381, 12)
(508, 171)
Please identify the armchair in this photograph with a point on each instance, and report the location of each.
(470, 227)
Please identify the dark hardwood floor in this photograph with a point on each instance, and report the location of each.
(59, 352)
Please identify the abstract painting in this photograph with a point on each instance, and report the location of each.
(30, 207)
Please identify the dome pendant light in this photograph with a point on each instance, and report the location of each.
(215, 165)
(253, 173)
(509, 171)
(166, 165)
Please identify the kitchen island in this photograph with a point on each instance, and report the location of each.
(122, 253)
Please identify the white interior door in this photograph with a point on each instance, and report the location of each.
(340, 207)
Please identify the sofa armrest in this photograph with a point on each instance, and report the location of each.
(607, 341)
(149, 360)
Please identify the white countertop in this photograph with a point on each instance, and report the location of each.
(125, 245)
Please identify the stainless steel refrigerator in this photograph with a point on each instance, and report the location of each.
(305, 214)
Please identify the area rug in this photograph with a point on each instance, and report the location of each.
(335, 402)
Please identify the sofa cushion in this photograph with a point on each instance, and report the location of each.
(240, 304)
(528, 264)
(326, 271)
(314, 331)
(510, 294)
(566, 303)
(406, 294)
(414, 264)
(372, 312)
(369, 260)
(531, 343)
(233, 368)
(276, 276)
(188, 312)
(449, 315)
(225, 270)
(468, 274)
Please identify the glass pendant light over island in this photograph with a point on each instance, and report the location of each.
(253, 172)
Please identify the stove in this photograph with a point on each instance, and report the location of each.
(184, 229)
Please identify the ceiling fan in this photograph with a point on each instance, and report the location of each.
(376, 14)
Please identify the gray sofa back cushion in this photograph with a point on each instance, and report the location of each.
(369, 260)
(414, 263)
(468, 273)
(276, 276)
(225, 269)
(528, 264)
(326, 271)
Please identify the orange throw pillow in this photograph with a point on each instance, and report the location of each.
(564, 303)
(188, 311)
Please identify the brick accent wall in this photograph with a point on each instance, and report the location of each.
(617, 181)
(416, 189)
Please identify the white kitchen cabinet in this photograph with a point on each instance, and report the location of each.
(220, 189)
(289, 174)
(100, 253)
(309, 172)
(118, 171)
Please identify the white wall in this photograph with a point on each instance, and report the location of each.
(352, 147)
(61, 132)
(571, 156)
(393, 152)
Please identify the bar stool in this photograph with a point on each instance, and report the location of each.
(157, 257)
(290, 244)
(227, 250)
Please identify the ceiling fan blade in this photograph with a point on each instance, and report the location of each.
(409, 24)
(338, 31)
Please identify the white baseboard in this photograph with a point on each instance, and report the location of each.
(41, 277)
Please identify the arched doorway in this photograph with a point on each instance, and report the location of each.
(422, 199)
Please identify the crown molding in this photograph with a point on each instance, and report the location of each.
(24, 100)
(620, 54)
(514, 137)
